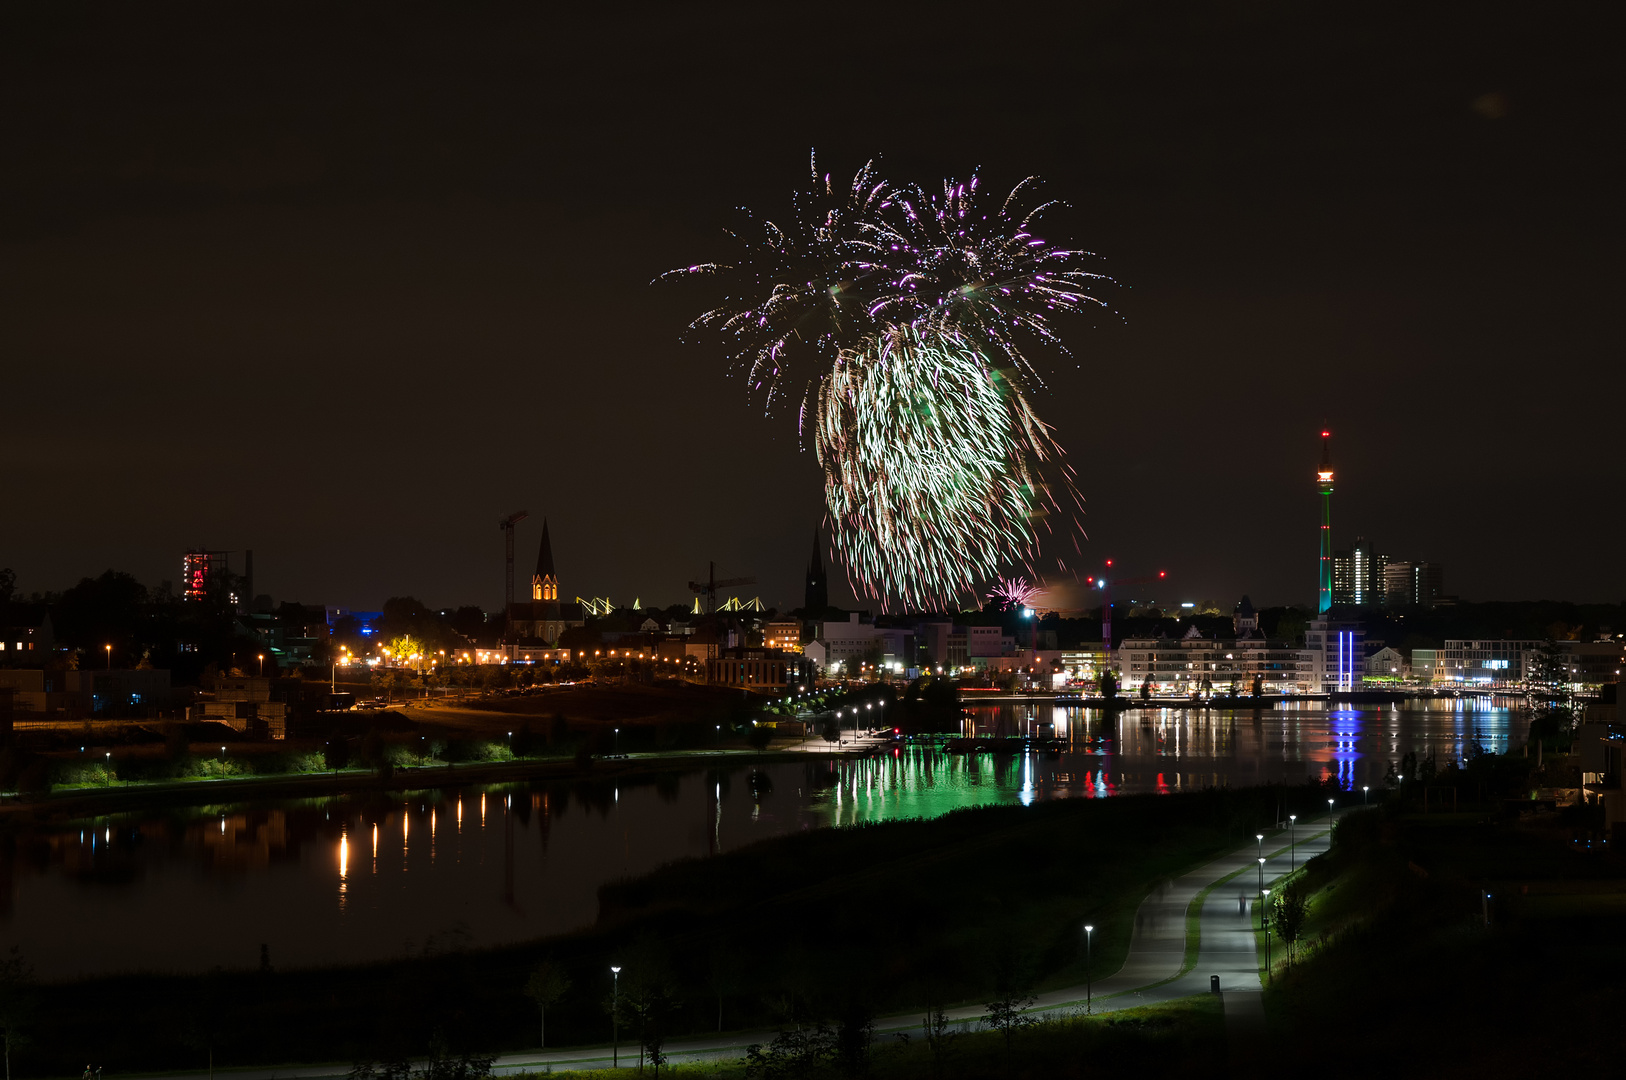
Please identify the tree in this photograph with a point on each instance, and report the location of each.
(800, 1051)
(646, 997)
(16, 1001)
(939, 1038)
(1146, 688)
(8, 584)
(547, 985)
(1258, 686)
(855, 1033)
(336, 751)
(1007, 1014)
(1291, 909)
(1107, 683)
(830, 730)
(407, 649)
(1290, 626)
(728, 975)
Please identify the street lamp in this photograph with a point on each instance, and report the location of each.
(615, 1017)
(262, 664)
(618, 741)
(1089, 982)
(1364, 790)
(1265, 926)
(109, 649)
(1292, 844)
(1329, 808)
(223, 763)
(1261, 890)
(1260, 838)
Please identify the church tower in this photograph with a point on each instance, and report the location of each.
(817, 596)
(545, 583)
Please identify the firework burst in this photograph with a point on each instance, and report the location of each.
(1015, 592)
(901, 318)
(934, 467)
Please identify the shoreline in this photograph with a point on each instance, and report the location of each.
(80, 802)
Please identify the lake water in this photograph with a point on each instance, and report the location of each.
(371, 876)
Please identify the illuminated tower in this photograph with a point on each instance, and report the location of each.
(1323, 481)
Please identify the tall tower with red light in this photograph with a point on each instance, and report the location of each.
(1323, 482)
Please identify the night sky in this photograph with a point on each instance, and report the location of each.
(345, 287)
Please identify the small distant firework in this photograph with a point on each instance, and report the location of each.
(1014, 592)
(901, 318)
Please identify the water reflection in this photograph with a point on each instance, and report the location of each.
(190, 889)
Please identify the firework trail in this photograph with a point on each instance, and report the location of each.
(900, 317)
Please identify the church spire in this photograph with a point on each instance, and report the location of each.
(545, 583)
(817, 596)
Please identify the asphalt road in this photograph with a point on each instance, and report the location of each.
(1153, 971)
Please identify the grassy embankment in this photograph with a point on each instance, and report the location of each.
(887, 917)
(1396, 947)
(1180, 1038)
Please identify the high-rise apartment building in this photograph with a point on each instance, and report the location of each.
(1413, 584)
(1358, 576)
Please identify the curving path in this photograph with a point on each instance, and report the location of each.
(1154, 970)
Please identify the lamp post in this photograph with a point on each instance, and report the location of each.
(1265, 926)
(615, 1017)
(1292, 844)
(1260, 839)
(1261, 890)
(1329, 808)
(1089, 981)
(1364, 790)
(618, 742)
(223, 763)
(109, 649)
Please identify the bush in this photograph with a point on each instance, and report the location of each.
(478, 750)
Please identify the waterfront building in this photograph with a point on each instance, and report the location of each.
(1196, 664)
(1387, 665)
(1510, 663)
(1337, 652)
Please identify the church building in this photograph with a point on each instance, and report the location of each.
(544, 617)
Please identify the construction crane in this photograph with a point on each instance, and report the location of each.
(507, 526)
(709, 587)
(1104, 583)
